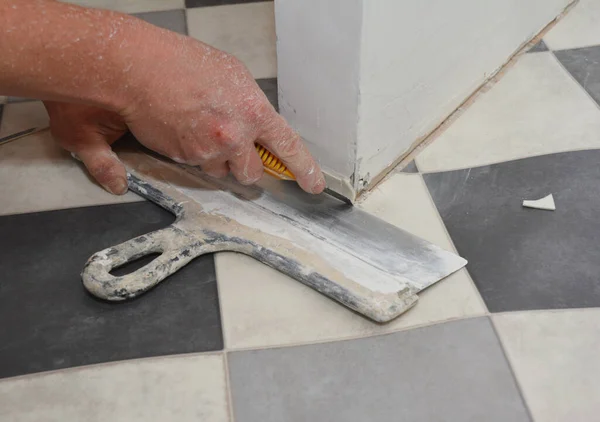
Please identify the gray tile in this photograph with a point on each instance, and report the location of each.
(204, 3)
(452, 372)
(584, 65)
(269, 87)
(411, 168)
(539, 47)
(173, 20)
(1, 110)
(50, 322)
(10, 100)
(522, 258)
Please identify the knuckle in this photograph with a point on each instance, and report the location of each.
(289, 148)
(259, 110)
(224, 137)
(238, 147)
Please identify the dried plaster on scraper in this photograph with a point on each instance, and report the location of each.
(373, 268)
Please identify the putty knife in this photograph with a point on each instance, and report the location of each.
(341, 251)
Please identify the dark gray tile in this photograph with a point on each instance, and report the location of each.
(50, 322)
(204, 3)
(450, 372)
(173, 20)
(269, 87)
(11, 100)
(522, 258)
(410, 168)
(584, 65)
(539, 47)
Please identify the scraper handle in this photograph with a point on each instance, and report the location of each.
(176, 249)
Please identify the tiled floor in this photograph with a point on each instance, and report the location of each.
(513, 337)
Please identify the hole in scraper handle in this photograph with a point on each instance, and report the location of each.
(136, 264)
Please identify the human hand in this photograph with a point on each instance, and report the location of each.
(88, 132)
(201, 106)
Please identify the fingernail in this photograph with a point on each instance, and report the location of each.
(117, 186)
(319, 186)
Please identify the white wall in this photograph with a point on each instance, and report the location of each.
(421, 58)
(362, 80)
(318, 63)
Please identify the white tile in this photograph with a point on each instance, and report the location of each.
(182, 388)
(536, 108)
(131, 6)
(579, 28)
(555, 358)
(245, 30)
(37, 175)
(262, 307)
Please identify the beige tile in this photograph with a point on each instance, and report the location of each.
(131, 6)
(37, 175)
(535, 109)
(262, 307)
(555, 358)
(182, 388)
(2, 99)
(579, 28)
(245, 30)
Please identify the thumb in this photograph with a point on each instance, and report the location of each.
(104, 166)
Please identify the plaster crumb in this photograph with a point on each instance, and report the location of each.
(545, 203)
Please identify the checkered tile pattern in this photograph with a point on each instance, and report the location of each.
(513, 337)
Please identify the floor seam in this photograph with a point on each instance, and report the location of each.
(110, 363)
(400, 330)
(356, 337)
(220, 302)
(228, 391)
(441, 220)
(572, 77)
(512, 368)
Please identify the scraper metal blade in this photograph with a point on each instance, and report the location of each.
(341, 251)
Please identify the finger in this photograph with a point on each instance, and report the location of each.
(286, 144)
(216, 169)
(246, 165)
(104, 166)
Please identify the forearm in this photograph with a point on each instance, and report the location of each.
(61, 52)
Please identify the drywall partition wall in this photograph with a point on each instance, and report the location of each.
(364, 80)
(420, 59)
(318, 58)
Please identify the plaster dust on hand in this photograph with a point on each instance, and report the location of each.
(545, 203)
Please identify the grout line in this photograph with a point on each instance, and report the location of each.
(549, 311)
(511, 367)
(493, 163)
(402, 329)
(225, 353)
(219, 296)
(185, 21)
(441, 220)
(111, 363)
(572, 78)
(228, 392)
(357, 336)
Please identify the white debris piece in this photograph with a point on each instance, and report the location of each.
(546, 203)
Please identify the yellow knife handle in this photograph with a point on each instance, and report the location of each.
(273, 164)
